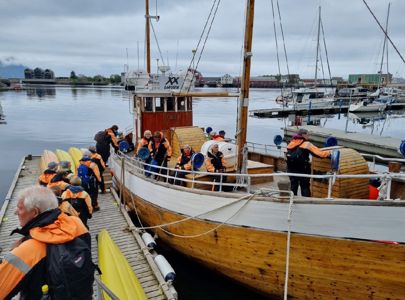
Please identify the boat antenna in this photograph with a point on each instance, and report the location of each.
(157, 43)
(244, 94)
(385, 32)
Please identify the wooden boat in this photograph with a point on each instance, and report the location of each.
(334, 245)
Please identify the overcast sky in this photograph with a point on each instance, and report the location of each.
(93, 36)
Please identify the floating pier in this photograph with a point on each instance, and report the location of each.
(112, 217)
(364, 143)
(286, 111)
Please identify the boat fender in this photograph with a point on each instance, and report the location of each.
(123, 146)
(278, 139)
(402, 148)
(197, 160)
(148, 240)
(334, 160)
(331, 141)
(143, 153)
(165, 268)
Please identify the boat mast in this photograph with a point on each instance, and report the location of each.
(147, 36)
(245, 82)
(317, 49)
(385, 44)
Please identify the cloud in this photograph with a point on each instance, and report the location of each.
(93, 37)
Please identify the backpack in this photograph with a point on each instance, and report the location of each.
(100, 136)
(296, 157)
(86, 176)
(70, 270)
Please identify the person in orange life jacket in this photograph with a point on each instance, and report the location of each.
(216, 163)
(160, 152)
(23, 270)
(220, 137)
(303, 166)
(90, 176)
(373, 190)
(95, 157)
(59, 183)
(109, 138)
(79, 199)
(48, 174)
(144, 141)
(113, 132)
(183, 163)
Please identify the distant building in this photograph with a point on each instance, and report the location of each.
(372, 79)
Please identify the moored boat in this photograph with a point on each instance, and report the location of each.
(334, 244)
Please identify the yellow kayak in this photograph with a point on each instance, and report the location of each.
(117, 274)
(76, 155)
(64, 156)
(47, 157)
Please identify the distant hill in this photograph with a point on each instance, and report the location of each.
(12, 71)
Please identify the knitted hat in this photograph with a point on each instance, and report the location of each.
(52, 165)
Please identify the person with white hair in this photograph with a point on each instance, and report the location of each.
(23, 270)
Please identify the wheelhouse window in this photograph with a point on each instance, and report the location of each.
(148, 104)
(160, 104)
(181, 103)
(169, 104)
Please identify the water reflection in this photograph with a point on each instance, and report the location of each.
(41, 92)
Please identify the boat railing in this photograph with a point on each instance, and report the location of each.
(263, 148)
(243, 181)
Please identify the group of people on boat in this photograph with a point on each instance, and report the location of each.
(155, 150)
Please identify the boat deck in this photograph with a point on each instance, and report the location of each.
(365, 143)
(111, 217)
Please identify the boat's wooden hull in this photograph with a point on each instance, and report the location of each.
(320, 267)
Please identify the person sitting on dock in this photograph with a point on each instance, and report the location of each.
(215, 163)
(79, 199)
(298, 151)
(48, 174)
(95, 157)
(44, 227)
(90, 177)
(183, 163)
(160, 152)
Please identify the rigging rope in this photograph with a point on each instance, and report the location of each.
(386, 34)
(211, 14)
(285, 49)
(157, 43)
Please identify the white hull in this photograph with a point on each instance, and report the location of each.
(358, 219)
(359, 107)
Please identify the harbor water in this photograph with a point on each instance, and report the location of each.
(49, 117)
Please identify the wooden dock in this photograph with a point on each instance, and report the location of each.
(364, 143)
(286, 111)
(112, 217)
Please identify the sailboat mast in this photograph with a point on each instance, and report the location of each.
(245, 82)
(317, 48)
(147, 36)
(385, 44)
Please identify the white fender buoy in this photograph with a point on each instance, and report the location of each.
(165, 268)
(148, 240)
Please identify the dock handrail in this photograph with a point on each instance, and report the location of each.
(138, 166)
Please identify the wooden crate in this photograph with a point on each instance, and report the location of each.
(351, 162)
(193, 136)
